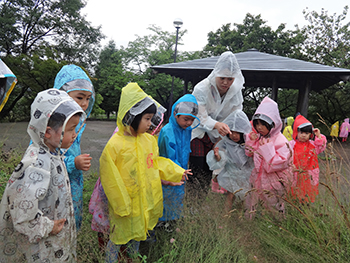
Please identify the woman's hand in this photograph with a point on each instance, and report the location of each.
(222, 128)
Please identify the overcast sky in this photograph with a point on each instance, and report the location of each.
(122, 20)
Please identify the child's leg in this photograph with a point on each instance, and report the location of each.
(230, 197)
(112, 251)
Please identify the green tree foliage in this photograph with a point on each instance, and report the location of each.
(328, 42)
(38, 38)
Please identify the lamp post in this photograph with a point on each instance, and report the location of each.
(177, 24)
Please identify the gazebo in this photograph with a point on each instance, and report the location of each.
(265, 70)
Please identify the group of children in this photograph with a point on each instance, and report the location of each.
(142, 177)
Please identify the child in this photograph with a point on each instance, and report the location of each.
(335, 130)
(288, 130)
(131, 172)
(77, 84)
(36, 213)
(344, 130)
(175, 143)
(229, 154)
(271, 177)
(305, 160)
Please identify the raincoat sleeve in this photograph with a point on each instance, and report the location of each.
(168, 170)
(277, 155)
(167, 146)
(206, 122)
(320, 144)
(26, 216)
(70, 155)
(213, 163)
(251, 146)
(113, 184)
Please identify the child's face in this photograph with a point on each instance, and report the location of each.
(261, 128)
(303, 136)
(82, 97)
(223, 84)
(184, 121)
(145, 123)
(69, 132)
(235, 136)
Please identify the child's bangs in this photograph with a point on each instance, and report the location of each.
(186, 107)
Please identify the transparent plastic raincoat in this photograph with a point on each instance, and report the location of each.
(7, 82)
(305, 183)
(344, 129)
(71, 78)
(175, 143)
(131, 172)
(272, 161)
(38, 192)
(288, 130)
(213, 107)
(237, 166)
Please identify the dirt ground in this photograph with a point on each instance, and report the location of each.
(95, 137)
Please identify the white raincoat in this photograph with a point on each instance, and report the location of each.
(38, 192)
(213, 107)
(236, 165)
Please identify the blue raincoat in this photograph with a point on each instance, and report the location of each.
(175, 143)
(68, 74)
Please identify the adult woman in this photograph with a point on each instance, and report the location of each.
(218, 95)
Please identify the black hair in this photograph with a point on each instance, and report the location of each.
(241, 138)
(135, 123)
(57, 119)
(268, 126)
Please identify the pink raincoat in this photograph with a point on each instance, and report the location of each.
(271, 178)
(344, 129)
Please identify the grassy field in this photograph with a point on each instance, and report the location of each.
(318, 232)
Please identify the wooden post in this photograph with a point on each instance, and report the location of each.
(274, 89)
(303, 98)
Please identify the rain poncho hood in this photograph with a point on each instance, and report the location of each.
(300, 120)
(38, 192)
(269, 108)
(131, 173)
(72, 78)
(213, 107)
(174, 143)
(237, 166)
(11, 80)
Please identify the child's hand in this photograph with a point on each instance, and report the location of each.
(57, 226)
(216, 154)
(264, 141)
(176, 184)
(82, 162)
(222, 128)
(317, 133)
(186, 172)
(253, 136)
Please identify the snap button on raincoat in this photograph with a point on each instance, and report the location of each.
(131, 172)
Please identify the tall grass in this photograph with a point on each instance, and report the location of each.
(315, 232)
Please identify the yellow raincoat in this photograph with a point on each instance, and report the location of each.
(335, 129)
(288, 130)
(131, 172)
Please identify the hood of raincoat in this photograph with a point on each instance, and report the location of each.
(157, 118)
(346, 120)
(10, 83)
(133, 101)
(269, 108)
(72, 77)
(227, 67)
(186, 105)
(45, 104)
(300, 119)
(290, 121)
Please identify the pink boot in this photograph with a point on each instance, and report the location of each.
(215, 187)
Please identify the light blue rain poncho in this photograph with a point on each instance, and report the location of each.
(71, 78)
(235, 166)
(175, 143)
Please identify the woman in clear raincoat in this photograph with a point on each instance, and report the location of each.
(235, 166)
(131, 172)
(78, 85)
(7, 82)
(218, 95)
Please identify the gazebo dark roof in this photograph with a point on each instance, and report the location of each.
(262, 70)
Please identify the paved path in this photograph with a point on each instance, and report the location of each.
(95, 137)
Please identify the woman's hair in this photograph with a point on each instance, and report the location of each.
(135, 123)
(268, 126)
(241, 138)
